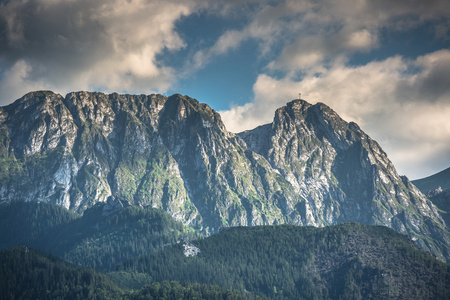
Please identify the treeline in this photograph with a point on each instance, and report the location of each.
(348, 261)
(93, 239)
(27, 273)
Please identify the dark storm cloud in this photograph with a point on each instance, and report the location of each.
(53, 36)
(426, 79)
(435, 82)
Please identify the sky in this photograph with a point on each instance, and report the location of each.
(383, 64)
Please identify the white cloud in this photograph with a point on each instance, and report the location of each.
(113, 45)
(16, 82)
(402, 104)
(109, 45)
(362, 40)
(310, 32)
(379, 97)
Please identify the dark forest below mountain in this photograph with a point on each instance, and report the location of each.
(348, 261)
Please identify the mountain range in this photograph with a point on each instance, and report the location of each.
(307, 167)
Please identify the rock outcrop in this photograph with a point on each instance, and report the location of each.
(308, 167)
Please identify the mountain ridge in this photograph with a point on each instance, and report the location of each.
(433, 182)
(307, 167)
(361, 184)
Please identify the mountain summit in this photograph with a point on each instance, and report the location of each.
(308, 167)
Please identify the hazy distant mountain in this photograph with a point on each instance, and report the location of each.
(308, 167)
(430, 183)
(441, 198)
(437, 189)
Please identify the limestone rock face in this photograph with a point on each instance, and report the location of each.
(308, 167)
(172, 153)
(343, 174)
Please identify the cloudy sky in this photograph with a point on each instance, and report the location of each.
(383, 64)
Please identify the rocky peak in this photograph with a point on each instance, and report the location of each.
(32, 100)
(340, 171)
(182, 109)
(39, 122)
(90, 107)
(307, 167)
(296, 109)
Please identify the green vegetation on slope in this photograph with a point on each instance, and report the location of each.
(175, 290)
(442, 201)
(93, 239)
(27, 223)
(30, 274)
(348, 261)
(441, 179)
(27, 273)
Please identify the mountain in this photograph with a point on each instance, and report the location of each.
(308, 167)
(342, 173)
(170, 153)
(433, 182)
(346, 261)
(441, 199)
(106, 234)
(437, 188)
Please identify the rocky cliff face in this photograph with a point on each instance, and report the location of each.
(171, 153)
(343, 174)
(309, 167)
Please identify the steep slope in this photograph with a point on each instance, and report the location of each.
(344, 175)
(229, 185)
(346, 261)
(430, 183)
(309, 167)
(171, 153)
(30, 274)
(441, 198)
(106, 234)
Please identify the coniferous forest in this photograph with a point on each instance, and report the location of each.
(348, 261)
(92, 240)
(31, 274)
(139, 253)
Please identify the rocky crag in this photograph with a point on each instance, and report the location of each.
(308, 167)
